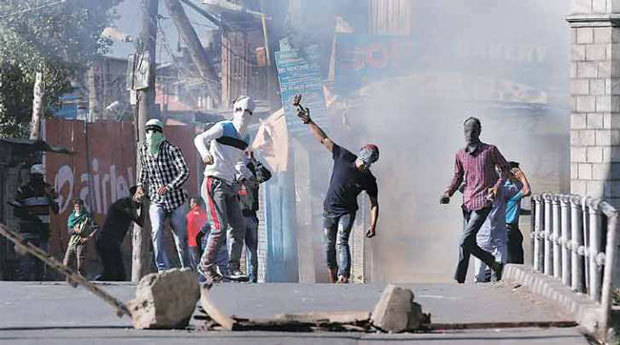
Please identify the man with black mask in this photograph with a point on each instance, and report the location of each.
(477, 162)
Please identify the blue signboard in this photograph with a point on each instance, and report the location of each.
(299, 72)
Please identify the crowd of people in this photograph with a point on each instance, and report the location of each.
(210, 233)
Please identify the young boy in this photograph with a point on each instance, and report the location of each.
(81, 227)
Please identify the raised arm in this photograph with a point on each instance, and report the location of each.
(315, 130)
(526, 190)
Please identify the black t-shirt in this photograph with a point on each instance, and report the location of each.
(118, 219)
(346, 183)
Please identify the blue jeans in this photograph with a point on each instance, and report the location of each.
(251, 245)
(177, 221)
(337, 231)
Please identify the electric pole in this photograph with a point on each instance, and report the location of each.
(145, 67)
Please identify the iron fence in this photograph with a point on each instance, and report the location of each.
(574, 240)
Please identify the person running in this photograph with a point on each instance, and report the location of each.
(476, 161)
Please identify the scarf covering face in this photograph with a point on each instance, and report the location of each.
(369, 154)
(75, 219)
(154, 140)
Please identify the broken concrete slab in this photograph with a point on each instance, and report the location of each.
(396, 311)
(165, 300)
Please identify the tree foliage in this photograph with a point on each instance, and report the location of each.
(58, 38)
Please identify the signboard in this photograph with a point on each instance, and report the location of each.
(299, 72)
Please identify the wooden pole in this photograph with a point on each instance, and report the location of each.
(141, 259)
(73, 277)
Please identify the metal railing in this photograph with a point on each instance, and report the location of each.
(574, 240)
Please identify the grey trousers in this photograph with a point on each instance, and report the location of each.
(222, 203)
(468, 245)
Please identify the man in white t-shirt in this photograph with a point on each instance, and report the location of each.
(222, 149)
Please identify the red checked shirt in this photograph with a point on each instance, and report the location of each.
(478, 170)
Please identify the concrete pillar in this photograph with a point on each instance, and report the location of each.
(595, 98)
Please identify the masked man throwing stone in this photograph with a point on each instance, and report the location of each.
(350, 176)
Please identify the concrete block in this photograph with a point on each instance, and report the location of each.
(595, 121)
(578, 155)
(587, 138)
(581, 6)
(613, 6)
(585, 35)
(396, 311)
(597, 87)
(572, 72)
(602, 35)
(578, 121)
(606, 120)
(578, 52)
(604, 69)
(574, 170)
(585, 104)
(600, 171)
(603, 104)
(165, 300)
(585, 171)
(595, 154)
(597, 52)
(580, 87)
(603, 138)
(599, 6)
(575, 138)
(587, 69)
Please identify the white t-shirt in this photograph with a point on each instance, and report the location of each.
(225, 156)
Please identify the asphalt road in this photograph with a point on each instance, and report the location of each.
(55, 313)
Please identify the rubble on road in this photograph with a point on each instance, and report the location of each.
(395, 312)
(165, 300)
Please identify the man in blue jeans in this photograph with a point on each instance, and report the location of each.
(350, 176)
(164, 170)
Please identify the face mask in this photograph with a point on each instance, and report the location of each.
(154, 140)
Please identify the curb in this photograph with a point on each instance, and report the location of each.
(586, 312)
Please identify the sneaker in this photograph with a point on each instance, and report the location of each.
(236, 274)
(210, 275)
(342, 280)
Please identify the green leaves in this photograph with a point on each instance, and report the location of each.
(58, 37)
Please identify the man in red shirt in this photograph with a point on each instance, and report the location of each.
(476, 164)
(196, 219)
